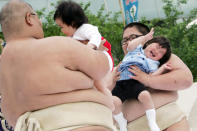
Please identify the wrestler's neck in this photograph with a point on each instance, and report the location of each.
(15, 38)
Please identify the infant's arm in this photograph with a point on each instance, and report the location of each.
(133, 44)
(163, 69)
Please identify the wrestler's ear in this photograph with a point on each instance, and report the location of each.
(28, 19)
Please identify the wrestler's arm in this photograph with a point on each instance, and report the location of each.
(180, 77)
(78, 65)
(115, 74)
(93, 63)
(90, 95)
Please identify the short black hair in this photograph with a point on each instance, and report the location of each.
(164, 43)
(142, 28)
(71, 14)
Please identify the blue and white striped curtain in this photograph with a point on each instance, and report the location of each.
(130, 10)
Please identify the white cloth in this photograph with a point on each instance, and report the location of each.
(88, 32)
(66, 117)
(167, 115)
(109, 59)
(122, 122)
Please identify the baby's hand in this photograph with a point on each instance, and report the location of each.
(149, 36)
(167, 66)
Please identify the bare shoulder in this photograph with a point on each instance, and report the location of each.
(181, 71)
(177, 63)
(58, 41)
(60, 44)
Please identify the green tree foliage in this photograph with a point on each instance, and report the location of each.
(183, 40)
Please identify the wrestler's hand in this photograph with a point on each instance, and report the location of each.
(139, 75)
(102, 47)
(115, 74)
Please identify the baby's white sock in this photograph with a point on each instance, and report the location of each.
(122, 122)
(151, 116)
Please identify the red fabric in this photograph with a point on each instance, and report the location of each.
(108, 46)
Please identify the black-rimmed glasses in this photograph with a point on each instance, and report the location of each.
(130, 38)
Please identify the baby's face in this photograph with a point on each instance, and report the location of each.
(67, 30)
(154, 51)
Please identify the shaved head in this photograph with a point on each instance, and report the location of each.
(12, 16)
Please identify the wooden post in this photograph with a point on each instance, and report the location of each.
(106, 6)
(122, 12)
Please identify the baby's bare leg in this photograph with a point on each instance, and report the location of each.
(146, 99)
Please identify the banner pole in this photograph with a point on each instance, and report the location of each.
(106, 6)
(122, 12)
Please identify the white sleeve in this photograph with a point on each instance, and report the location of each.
(91, 33)
(109, 60)
(94, 37)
